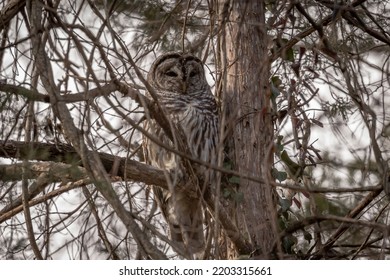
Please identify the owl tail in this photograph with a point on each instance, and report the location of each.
(185, 219)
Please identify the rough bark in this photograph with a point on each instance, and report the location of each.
(245, 65)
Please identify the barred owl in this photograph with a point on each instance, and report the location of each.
(183, 92)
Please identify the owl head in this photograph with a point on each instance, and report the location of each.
(177, 73)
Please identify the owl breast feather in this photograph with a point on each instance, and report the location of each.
(198, 119)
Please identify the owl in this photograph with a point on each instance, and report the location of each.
(183, 92)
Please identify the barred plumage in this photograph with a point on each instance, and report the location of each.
(182, 89)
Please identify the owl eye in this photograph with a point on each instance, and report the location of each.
(192, 74)
(171, 74)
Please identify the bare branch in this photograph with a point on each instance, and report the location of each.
(12, 8)
(128, 169)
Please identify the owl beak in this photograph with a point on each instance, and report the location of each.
(184, 87)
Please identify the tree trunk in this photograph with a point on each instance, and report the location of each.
(246, 100)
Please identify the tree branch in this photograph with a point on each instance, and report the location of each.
(33, 95)
(323, 22)
(128, 169)
(15, 207)
(9, 11)
(349, 14)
